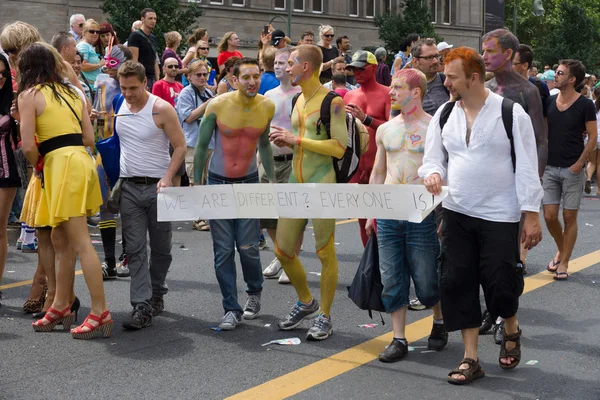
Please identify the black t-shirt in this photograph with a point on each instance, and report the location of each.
(147, 50)
(328, 55)
(566, 130)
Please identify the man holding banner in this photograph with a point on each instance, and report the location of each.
(312, 163)
(241, 121)
(406, 249)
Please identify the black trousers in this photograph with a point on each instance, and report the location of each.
(475, 253)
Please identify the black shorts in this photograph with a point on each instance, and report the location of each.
(478, 252)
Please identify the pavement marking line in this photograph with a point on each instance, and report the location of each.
(318, 372)
(29, 282)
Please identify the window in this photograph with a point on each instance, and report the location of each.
(433, 10)
(238, 3)
(447, 12)
(370, 10)
(216, 2)
(387, 6)
(298, 5)
(317, 6)
(353, 8)
(280, 5)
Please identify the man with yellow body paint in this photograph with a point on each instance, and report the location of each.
(312, 163)
(240, 121)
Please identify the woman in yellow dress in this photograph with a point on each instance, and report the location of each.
(55, 126)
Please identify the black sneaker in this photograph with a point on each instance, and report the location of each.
(158, 305)
(141, 317)
(93, 221)
(588, 187)
(394, 352)
(499, 332)
(486, 322)
(108, 271)
(438, 339)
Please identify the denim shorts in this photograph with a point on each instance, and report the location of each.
(408, 250)
(560, 183)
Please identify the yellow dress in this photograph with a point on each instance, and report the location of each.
(71, 187)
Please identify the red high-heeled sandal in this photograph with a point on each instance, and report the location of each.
(103, 328)
(55, 317)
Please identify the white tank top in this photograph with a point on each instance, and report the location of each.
(144, 146)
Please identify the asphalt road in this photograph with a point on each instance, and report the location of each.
(180, 357)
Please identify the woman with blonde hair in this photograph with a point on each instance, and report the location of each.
(92, 62)
(192, 42)
(227, 48)
(55, 127)
(330, 53)
(173, 41)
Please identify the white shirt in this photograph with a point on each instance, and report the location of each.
(481, 181)
(144, 146)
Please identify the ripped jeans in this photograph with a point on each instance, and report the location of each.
(229, 234)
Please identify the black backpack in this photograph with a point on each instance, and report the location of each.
(507, 120)
(366, 288)
(344, 167)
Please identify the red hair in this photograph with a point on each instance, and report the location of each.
(414, 79)
(472, 61)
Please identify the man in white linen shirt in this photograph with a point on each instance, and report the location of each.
(481, 222)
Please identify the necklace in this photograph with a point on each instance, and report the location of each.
(311, 96)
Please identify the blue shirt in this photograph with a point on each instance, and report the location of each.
(88, 52)
(187, 102)
(74, 35)
(405, 60)
(268, 81)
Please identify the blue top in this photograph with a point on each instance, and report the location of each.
(405, 60)
(89, 54)
(268, 81)
(188, 100)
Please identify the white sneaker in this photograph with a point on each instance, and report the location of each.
(284, 280)
(272, 270)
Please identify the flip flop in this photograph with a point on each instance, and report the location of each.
(561, 276)
(553, 265)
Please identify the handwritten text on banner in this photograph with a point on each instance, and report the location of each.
(307, 200)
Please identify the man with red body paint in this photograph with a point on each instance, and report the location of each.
(370, 104)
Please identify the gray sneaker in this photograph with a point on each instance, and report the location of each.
(321, 328)
(252, 307)
(299, 313)
(230, 321)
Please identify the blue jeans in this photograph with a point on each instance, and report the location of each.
(17, 205)
(227, 234)
(408, 250)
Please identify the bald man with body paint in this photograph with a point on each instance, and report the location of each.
(241, 122)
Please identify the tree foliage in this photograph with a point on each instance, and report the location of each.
(415, 18)
(568, 29)
(171, 16)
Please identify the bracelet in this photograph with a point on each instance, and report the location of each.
(298, 141)
(368, 120)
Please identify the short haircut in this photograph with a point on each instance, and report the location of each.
(414, 79)
(78, 54)
(338, 41)
(525, 55)
(339, 79)
(576, 70)
(74, 17)
(413, 37)
(195, 66)
(285, 50)
(18, 35)
(417, 49)
(146, 11)
(61, 39)
(336, 63)
(506, 40)
(311, 54)
(268, 58)
(132, 68)
(307, 33)
(380, 53)
(243, 61)
(171, 38)
(554, 67)
(472, 61)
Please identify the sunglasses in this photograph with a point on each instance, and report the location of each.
(430, 58)
(5, 73)
(93, 32)
(203, 48)
(171, 66)
(80, 25)
(329, 36)
(201, 74)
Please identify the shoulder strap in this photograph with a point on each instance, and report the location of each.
(295, 99)
(71, 108)
(446, 111)
(116, 103)
(507, 120)
(325, 118)
(443, 76)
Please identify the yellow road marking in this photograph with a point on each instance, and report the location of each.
(29, 282)
(318, 372)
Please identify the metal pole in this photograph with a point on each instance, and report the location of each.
(289, 18)
(515, 18)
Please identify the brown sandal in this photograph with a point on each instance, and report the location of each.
(514, 353)
(473, 372)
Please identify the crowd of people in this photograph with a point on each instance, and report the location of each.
(442, 115)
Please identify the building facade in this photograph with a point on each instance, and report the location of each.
(459, 22)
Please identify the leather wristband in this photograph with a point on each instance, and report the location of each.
(367, 121)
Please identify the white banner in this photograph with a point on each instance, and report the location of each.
(297, 200)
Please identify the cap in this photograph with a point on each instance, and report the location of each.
(277, 36)
(444, 45)
(361, 58)
(548, 75)
(587, 75)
